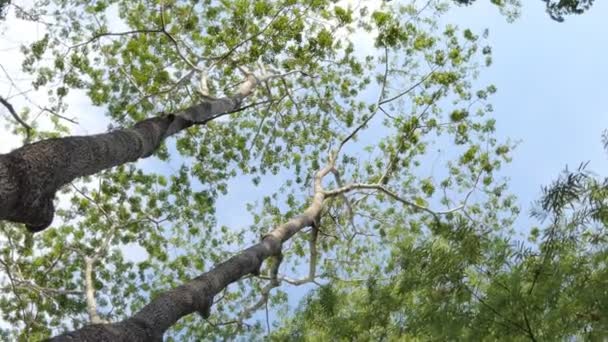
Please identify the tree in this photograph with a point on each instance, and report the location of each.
(27, 201)
(401, 82)
(558, 10)
(317, 92)
(548, 288)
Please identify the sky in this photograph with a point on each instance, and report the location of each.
(551, 80)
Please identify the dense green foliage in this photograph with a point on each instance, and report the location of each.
(385, 80)
(453, 287)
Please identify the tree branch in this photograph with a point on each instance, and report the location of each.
(276, 280)
(23, 285)
(113, 34)
(9, 107)
(265, 293)
(94, 317)
(174, 41)
(385, 190)
(31, 175)
(405, 92)
(151, 322)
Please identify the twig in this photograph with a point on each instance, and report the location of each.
(9, 107)
(385, 190)
(113, 34)
(530, 332)
(174, 41)
(243, 42)
(405, 92)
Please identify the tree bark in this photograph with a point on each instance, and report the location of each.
(31, 175)
(90, 291)
(151, 322)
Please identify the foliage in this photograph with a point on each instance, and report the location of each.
(558, 10)
(3, 7)
(548, 288)
(385, 80)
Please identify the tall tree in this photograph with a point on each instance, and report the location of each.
(405, 95)
(25, 199)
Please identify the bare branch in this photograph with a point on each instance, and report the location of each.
(275, 279)
(24, 93)
(385, 190)
(274, 282)
(405, 92)
(174, 41)
(349, 206)
(377, 106)
(9, 107)
(114, 34)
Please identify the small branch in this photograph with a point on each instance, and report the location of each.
(495, 311)
(349, 206)
(275, 279)
(378, 104)
(12, 281)
(530, 332)
(54, 113)
(356, 130)
(391, 194)
(27, 285)
(174, 41)
(113, 34)
(384, 79)
(9, 107)
(405, 92)
(312, 268)
(90, 292)
(274, 282)
(28, 99)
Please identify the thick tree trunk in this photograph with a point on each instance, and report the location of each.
(31, 175)
(154, 319)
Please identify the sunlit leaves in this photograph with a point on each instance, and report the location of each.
(405, 84)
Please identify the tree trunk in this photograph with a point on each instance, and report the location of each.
(154, 319)
(31, 175)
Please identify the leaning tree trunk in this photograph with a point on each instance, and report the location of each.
(31, 175)
(154, 319)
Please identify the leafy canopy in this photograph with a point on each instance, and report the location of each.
(385, 79)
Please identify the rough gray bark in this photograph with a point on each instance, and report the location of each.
(31, 175)
(151, 322)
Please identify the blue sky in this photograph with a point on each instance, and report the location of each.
(551, 80)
